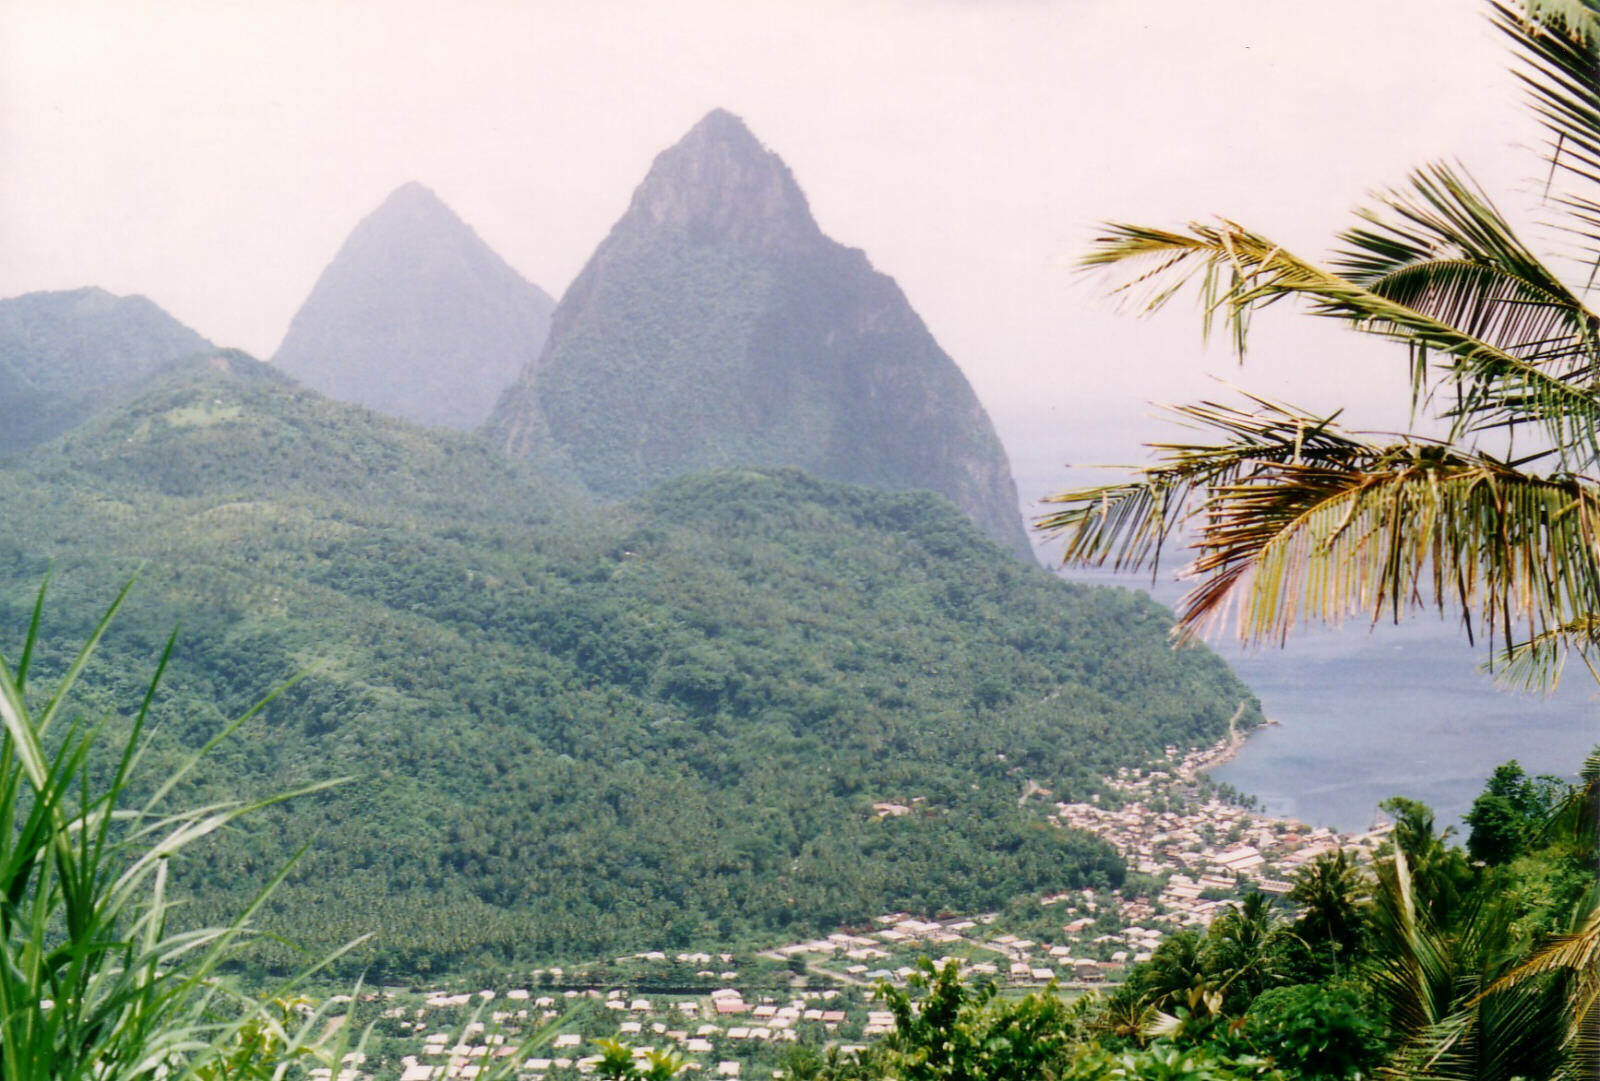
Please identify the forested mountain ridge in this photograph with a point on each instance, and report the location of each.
(573, 729)
(417, 317)
(65, 355)
(717, 327)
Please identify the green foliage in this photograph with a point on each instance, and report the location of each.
(1440, 870)
(1166, 1062)
(579, 731)
(1317, 1033)
(618, 1063)
(1508, 816)
(946, 1029)
(1332, 892)
(1421, 966)
(65, 356)
(94, 982)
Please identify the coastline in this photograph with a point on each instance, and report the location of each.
(1224, 750)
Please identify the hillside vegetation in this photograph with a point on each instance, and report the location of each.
(574, 730)
(64, 356)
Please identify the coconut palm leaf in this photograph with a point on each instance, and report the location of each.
(1442, 249)
(1414, 973)
(1573, 958)
(1559, 43)
(1576, 955)
(1430, 979)
(1239, 271)
(1295, 519)
(1413, 524)
(1128, 522)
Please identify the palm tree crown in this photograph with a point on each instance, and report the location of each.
(1292, 515)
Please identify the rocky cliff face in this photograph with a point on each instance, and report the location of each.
(416, 317)
(716, 326)
(65, 356)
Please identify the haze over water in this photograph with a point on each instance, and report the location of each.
(1397, 711)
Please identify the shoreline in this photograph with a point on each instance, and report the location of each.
(1203, 759)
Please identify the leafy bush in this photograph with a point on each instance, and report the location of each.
(1317, 1033)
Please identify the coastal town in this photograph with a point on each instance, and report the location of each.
(729, 1015)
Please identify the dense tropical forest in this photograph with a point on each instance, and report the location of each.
(573, 730)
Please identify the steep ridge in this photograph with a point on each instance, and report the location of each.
(577, 729)
(66, 355)
(716, 326)
(416, 317)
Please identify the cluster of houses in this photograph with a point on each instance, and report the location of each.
(1207, 850)
(887, 952)
(1202, 850)
(694, 1028)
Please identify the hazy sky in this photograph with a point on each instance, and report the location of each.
(212, 156)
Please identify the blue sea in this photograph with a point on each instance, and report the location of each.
(1391, 711)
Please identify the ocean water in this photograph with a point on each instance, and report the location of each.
(1363, 714)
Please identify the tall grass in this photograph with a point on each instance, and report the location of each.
(95, 983)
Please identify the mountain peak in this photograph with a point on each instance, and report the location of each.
(716, 327)
(720, 124)
(413, 198)
(416, 317)
(719, 183)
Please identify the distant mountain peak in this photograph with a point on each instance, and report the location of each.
(416, 317)
(716, 327)
(414, 189)
(719, 183)
(413, 199)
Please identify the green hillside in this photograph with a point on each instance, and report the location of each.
(66, 355)
(576, 730)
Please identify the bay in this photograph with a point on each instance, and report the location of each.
(1362, 714)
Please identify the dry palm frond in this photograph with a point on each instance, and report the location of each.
(1294, 519)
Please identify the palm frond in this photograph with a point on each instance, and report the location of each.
(1129, 521)
(1575, 957)
(1538, 660)
(1414, 975)
(1386, 531)
(1294, 519)
(1491, 383)
(1559, 43)
(1441, 248)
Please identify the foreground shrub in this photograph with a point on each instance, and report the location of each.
(95, 983)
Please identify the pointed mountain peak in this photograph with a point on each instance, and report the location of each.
(719, 183)
(413, 198)
(416, 317)
(719, 125)
(414, 210)
(716, 326)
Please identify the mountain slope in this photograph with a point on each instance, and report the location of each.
(65, 355)
(577, 730)
(416, 317)
(716, 326)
